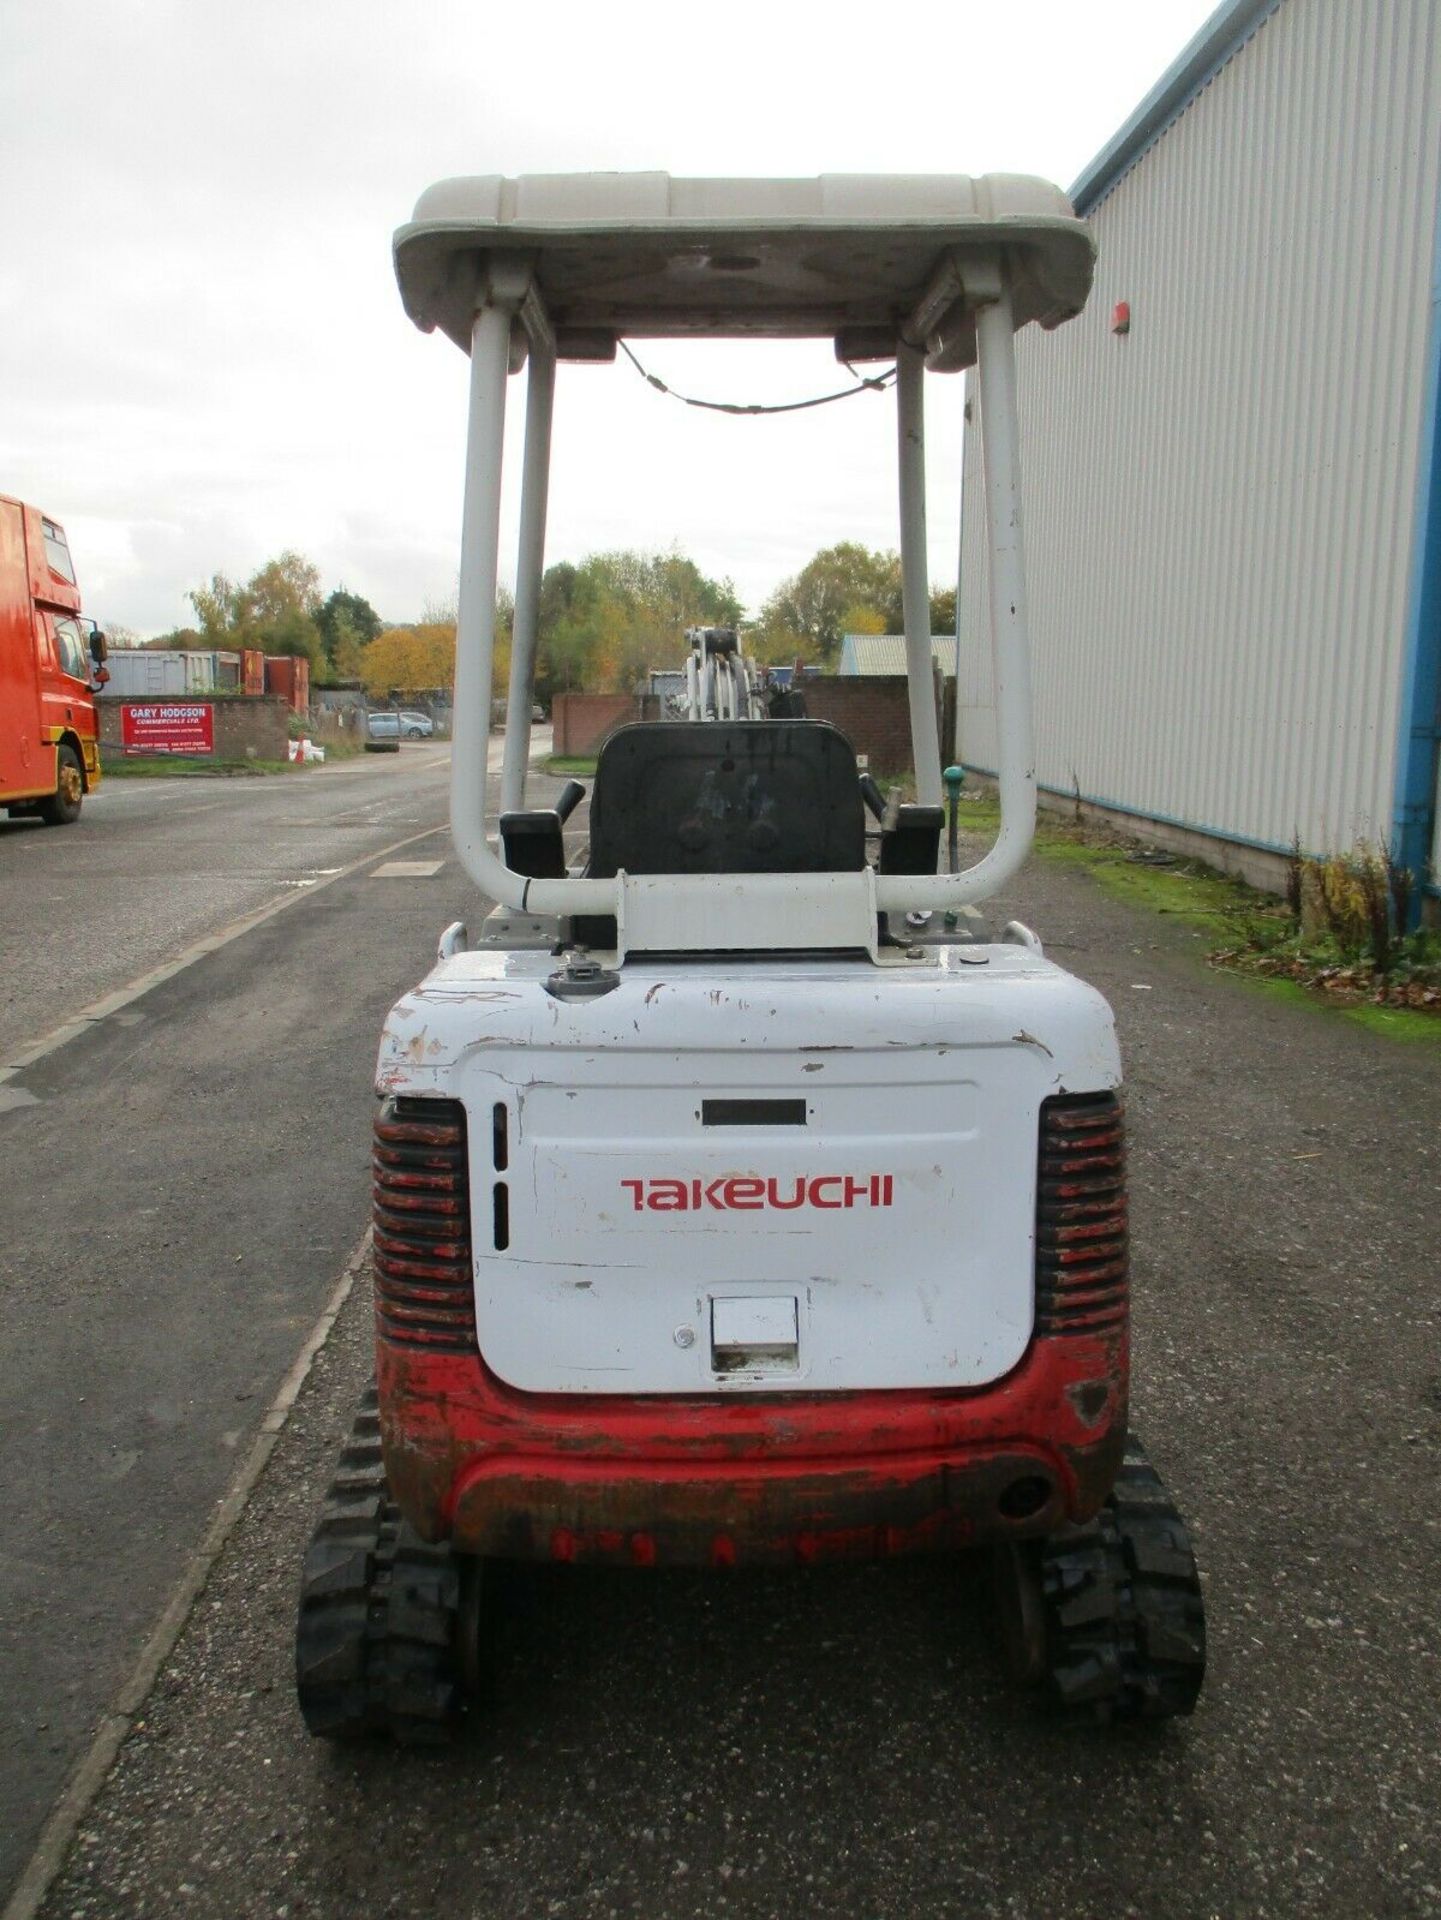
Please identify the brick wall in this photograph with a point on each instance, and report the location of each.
(873, 711)
(245, 729)
(582, 720)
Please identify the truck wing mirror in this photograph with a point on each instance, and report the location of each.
(99, 647)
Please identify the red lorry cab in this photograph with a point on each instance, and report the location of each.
(50, 665)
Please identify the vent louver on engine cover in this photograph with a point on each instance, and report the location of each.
(424, 1291)
(1082, 1274)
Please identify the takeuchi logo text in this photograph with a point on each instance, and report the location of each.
(751, 1193)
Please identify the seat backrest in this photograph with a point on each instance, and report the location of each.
(761, 796)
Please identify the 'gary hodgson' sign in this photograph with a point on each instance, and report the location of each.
(167, 726)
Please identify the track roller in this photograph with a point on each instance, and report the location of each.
(1107, 1619)
(377, 1644)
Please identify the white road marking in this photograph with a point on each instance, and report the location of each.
(408, 870)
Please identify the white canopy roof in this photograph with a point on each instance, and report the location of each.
(866, 258)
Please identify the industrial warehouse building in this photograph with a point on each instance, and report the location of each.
(885, 653)
(1230, 459)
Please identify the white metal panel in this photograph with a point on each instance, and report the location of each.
(900, 1220)
(1220, 502)
(897, 1214)
(718, 912)
(474, 996)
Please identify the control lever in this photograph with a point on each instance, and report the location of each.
(873, 796)
(571, 795)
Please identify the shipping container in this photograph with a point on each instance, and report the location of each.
(289, 676)
(138, 675)
(141, 675)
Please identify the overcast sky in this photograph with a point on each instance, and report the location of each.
(203, 357)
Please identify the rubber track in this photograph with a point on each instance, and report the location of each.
(1125, 1617)
(375, 1640)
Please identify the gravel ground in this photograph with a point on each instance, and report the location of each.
(840, 1741)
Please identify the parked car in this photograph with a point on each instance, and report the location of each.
(382, 733)
(416, 726)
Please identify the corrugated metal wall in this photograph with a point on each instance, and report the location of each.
(1220, 505)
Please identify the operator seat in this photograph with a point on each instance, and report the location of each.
(761, 796)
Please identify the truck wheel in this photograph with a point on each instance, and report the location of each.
(62, 809)
(1107, 1619)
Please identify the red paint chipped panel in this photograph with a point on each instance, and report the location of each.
(705, 1481)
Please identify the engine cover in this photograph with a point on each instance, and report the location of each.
(753, 1175)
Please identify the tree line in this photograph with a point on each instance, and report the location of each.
(604, 621)
(279, 610)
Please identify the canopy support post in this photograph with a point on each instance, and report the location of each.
(534, 494)
(1010, 627)
(915, 585)
(475, 619)
(505, 298)
(989, 295)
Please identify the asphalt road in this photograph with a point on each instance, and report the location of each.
(840, 1742)
(152, 865)
(182, 1183)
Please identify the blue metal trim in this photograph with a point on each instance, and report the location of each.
(1418, 720)
(1228, 29)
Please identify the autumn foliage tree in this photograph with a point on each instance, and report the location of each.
(843, 589)
(420, 659)
(347, 623)
(279, 610)
(605, 621)
(276, 609)
(409, 660)
(809, 612)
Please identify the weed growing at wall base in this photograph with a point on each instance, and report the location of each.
(1342, 931)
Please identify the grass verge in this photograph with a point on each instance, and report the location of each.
(1258, 937)
(176, 766)
(1392, 1023)
(171, 767)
